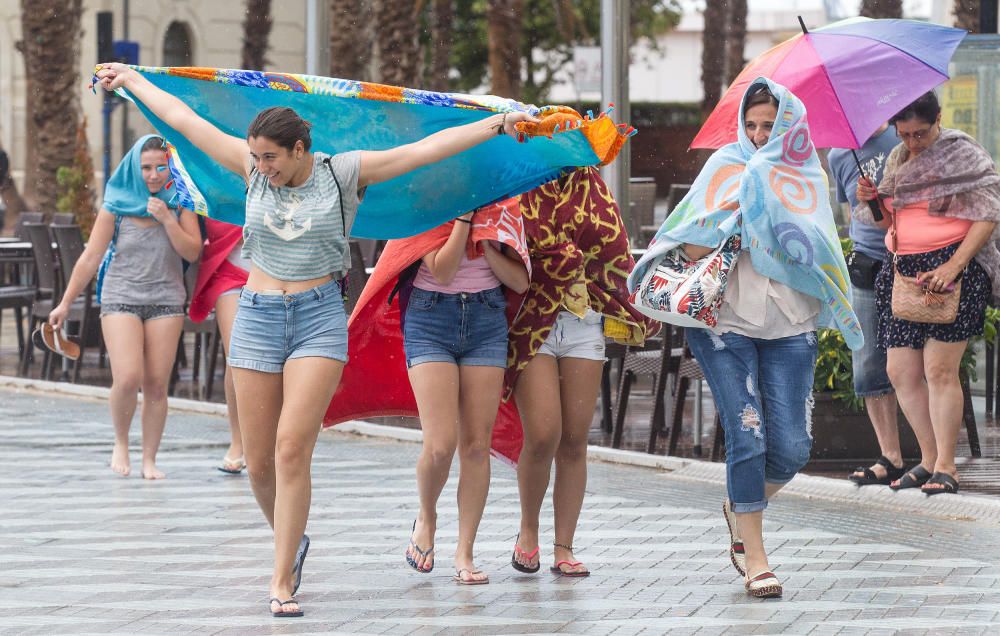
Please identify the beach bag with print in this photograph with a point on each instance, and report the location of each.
(685, 292)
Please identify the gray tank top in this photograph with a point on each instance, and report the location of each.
(145, 270)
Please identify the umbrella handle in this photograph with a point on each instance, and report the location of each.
(873, 205)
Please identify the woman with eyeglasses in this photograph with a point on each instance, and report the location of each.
(943, 190)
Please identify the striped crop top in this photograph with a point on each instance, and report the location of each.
(300, 233)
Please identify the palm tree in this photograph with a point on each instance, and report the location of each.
(442, 19)
(713, 54)
(50, 44)
(881, 8)
(967, 15)
(736, 36)
(396, 45)
(256, 29)
(350, 41)
(504, 21)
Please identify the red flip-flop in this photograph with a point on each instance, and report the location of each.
(557, 569)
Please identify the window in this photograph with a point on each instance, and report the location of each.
(177, 45)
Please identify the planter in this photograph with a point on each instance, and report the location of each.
(842, 434)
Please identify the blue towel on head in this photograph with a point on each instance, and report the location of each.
(127, 193)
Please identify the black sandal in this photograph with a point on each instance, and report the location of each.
(947, 483)
(914, 478)
(869, 478)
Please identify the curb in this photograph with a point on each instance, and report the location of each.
(962, 507)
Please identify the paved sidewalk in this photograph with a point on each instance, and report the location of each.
(85, 551)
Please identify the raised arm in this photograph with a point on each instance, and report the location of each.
(382, 165)
(231, 152)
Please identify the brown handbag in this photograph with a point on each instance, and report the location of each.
(912, 300)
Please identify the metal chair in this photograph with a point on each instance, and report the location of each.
(64, 218)
(642, 203)
(357, 277)
(207, 340)
(69, 246)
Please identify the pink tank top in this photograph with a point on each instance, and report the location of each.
(473, 275)
(920, 231)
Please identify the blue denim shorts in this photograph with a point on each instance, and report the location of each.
(272, 328)
(465, 329)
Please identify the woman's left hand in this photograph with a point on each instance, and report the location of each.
(159, 210)
(938, 279)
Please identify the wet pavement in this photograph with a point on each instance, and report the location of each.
(85, 551)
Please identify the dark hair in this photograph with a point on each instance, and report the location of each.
(760, 95)
(926, 108)
(283, 126)
(153, 143)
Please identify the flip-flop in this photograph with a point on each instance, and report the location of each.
(281, 613)
(520, 567)
(557, 569)
(233, 467)
(914, 478)
(416, 548)
(948, 485)
(869, 478)
(55, 340)
(300, 558)
(463, 581)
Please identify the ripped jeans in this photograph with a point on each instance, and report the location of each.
(763, 393)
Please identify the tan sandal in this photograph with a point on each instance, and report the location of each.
(737, 556)
(461, 580)
(764, 585)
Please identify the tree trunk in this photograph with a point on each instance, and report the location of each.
(11, 197)
(736, 37)
(713, 54)
(350, 46)
(442, 19)
(967, 15)
(396, 45)
(881, 8)
(51, 47)
(256, 29)
(504, 21)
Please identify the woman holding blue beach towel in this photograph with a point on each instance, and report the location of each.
(138, 241)
(289, 341)
(759, 212)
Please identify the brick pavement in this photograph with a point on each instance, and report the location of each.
(84, 551)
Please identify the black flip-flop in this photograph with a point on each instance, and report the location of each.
(947, 483)
(281, 613)
(412, 562)
(914, 478)
(869, 478)
(300, 558)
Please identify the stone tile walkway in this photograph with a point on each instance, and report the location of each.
(83, 551)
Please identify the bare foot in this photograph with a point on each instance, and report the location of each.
(119, 460)
(150, 471)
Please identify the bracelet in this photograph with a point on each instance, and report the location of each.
(469, 221)
(503, 124)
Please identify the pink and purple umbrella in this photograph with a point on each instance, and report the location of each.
(852, 76)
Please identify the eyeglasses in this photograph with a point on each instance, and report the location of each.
(919, 135)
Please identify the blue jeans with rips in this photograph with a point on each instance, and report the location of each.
(763, 394)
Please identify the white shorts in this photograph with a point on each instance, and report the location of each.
(573, 337)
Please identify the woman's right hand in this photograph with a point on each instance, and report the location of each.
(58, 315)
(113, 75)
(866, 190)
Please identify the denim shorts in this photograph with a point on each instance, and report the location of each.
(467, 328)
(868, 362)
(574, 337)
(142, 312)
(272, 328)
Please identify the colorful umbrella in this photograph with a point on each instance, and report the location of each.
(852, 75)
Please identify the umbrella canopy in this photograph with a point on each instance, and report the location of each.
(852, 75)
